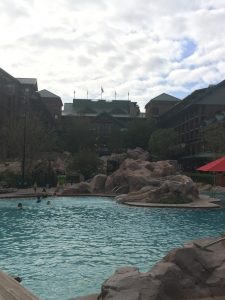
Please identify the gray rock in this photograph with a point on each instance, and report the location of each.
(97, 184)
(177, 187)
(79, 188)
(138, 153)
(185, 273)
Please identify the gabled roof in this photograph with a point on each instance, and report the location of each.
(86, 110)
(32, 81)
(103, 116)
(195, 97)
(120, 107)
(47, 94)
(117, 111)
(27, 81)
(4, 73)
(164, 97)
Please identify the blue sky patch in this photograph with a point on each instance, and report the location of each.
(189, 47)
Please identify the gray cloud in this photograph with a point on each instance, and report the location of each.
(135, 45)
(13, 8)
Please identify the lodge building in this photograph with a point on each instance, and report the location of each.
(188, 117)
(20, 95)
(102, 115)
(160, 105)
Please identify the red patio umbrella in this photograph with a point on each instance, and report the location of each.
(217, 165)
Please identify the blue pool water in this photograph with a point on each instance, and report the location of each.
(71, 247)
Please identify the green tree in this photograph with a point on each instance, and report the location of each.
(138, 133)
(85, 162)
(214, 138)
(78, 134)
(116, 141)
(39, 138)
(161, 142)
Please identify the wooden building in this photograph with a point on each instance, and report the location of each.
(159, 105)
(53, 104)
(20, 103)
(20, 95)
(189, 115)
(103, 115)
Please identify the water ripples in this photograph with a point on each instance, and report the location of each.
(71, 247)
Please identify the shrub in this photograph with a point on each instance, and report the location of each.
(10, 179)
(85, 162)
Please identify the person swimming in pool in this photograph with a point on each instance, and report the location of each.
(20, 205)
(38, 199)
(44, 193)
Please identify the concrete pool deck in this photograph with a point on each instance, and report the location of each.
(10, 289)
(204, 201)
(95, 297)
(29, 193)
(90, 297)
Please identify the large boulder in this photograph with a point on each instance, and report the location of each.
(97, 184)
(170, 189)
(163, 168)
(136, 174)
(138, 180)
(138, 153)
(144, 181)
(79, 188)
(185, 273)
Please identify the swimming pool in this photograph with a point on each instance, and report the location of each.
(69, 248)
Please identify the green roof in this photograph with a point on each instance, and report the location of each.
(95, 107)
(196, 97)
(30, 81)
(101, 104)
(47, 94)
(164, 97)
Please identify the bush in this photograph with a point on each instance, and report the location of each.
(44, 174)
(11, 179)
(161, 142)
(85, 162)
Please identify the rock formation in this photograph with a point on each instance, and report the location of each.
(136, 174)
(139, 180)
(98, 184)
(78, 188)
(138, 153)
(169, 189)
(144, 181)
(190, 272)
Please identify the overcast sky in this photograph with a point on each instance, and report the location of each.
(146, 47)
